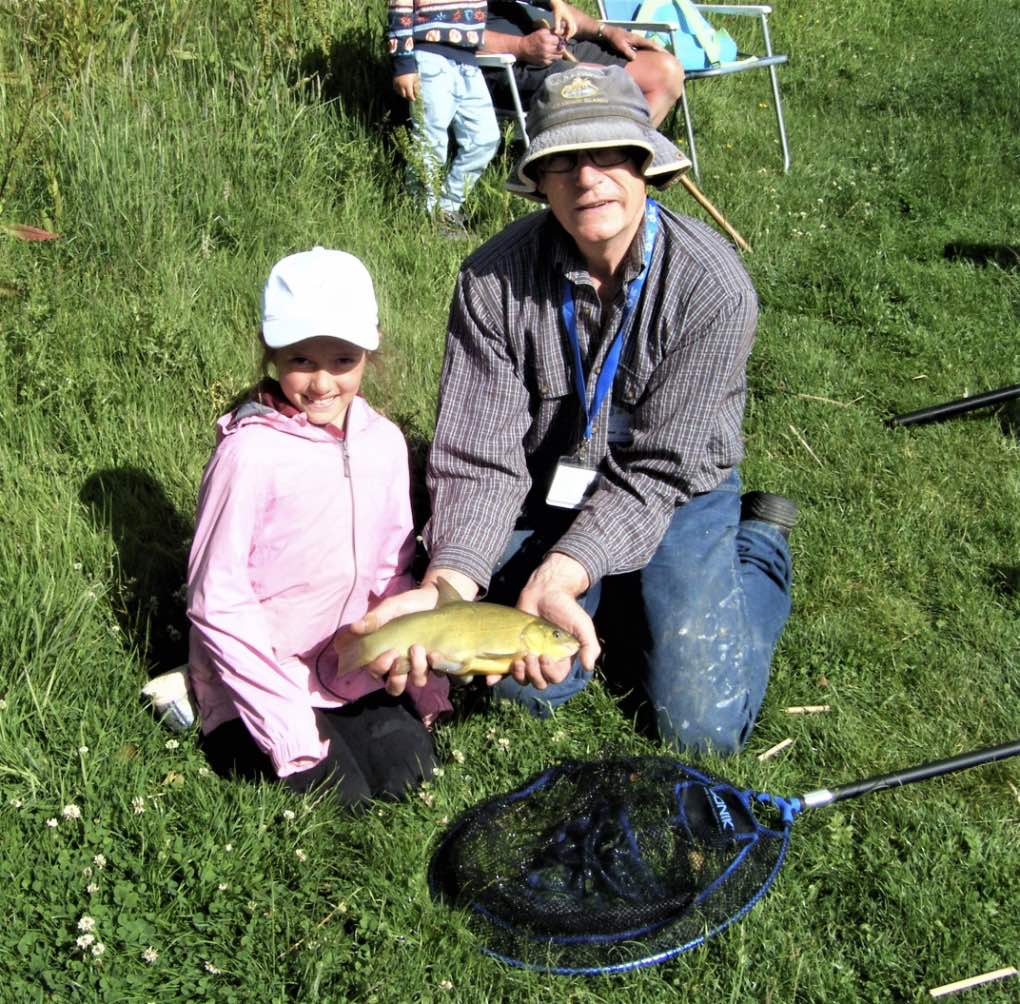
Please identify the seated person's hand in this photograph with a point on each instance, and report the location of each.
(564, 19)
(408, 86)
(541, 47)
(552, 593)
(627, 43)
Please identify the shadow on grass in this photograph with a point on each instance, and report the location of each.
(1006, 580)
(354, 75)
(1004, 255)
(152, 541)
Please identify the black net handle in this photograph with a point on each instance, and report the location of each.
(825, 796)
(937, 412)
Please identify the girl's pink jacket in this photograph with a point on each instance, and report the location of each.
(298, 532)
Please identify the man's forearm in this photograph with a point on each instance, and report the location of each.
(495, 42)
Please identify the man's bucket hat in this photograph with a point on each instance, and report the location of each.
(585, 108)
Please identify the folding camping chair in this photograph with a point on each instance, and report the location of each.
(504, 61)
(622, 13)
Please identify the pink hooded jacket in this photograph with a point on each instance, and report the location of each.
(298, 532)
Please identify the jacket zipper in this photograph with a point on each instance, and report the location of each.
(346, 459)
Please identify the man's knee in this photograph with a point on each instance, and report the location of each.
(660, 77)
(722, 731)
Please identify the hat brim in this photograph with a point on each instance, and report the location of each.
(663, 162)
(280, 334)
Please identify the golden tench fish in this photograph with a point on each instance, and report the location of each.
(473, 638)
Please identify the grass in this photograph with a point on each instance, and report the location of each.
(179, 151)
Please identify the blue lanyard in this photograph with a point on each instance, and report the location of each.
(608, 372)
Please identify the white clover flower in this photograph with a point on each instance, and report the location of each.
(16, 803)
(503, 743)
(300, 855)
(92, 888)
(71, 812)
(150, 955)
(288, 814)
(98, 948)
(438, 772)
(83, 751)
(84, 940)
(171, 744)
(445, 985)
(99, 861)
(427, 797)
(223, 887)
(458, 756)
(138, 805)
(210, 968)
(228, 847)
(86, 923)
(77, 566)
(203, 771)
(3, 704)
(51, 822)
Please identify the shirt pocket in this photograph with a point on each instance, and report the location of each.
(553, 378)
(631, 381)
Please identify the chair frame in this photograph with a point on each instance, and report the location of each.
(769, 61)
(505, 61)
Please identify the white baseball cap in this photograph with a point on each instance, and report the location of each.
(319, 293)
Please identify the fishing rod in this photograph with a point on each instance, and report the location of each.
(938, 412)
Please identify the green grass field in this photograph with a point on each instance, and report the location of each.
(179, 149)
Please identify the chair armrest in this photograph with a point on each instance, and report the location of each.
(640, 25)
(750, 10)
(494, 60)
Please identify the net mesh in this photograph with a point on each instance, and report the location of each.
(602, 866)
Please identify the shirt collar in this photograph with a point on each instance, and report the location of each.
(568, 261)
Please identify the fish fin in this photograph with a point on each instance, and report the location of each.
(448, 666)
(487, 664)
(447, 594)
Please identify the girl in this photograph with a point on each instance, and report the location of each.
(304, 519)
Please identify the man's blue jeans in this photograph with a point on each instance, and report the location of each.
(703, 617)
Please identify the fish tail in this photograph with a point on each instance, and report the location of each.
(350, 652)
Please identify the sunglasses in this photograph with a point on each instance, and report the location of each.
(606, 156)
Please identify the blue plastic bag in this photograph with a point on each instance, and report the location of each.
(699, 45)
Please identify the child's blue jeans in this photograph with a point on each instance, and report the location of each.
(694, 629)
(453, 95)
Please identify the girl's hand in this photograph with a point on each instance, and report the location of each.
(408, 86)
(398, 668)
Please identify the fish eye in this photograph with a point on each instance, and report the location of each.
(557, 634)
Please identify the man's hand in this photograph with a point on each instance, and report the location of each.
(540, 48)
(627, 43)
(408, 86)
(552, 593)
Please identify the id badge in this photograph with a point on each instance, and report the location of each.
(571, 484)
